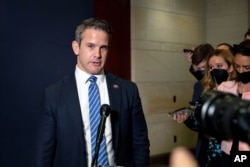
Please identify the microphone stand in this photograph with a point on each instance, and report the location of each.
(105, 110)
(94, 161)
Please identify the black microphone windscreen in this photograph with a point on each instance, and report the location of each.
(105, 110)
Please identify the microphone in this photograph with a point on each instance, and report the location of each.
(104, 112)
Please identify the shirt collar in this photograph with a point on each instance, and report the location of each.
(85, 76)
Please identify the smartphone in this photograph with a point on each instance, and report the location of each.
(191, 103)
(183, 110)
(188, 50)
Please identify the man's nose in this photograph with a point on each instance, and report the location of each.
(240, 70)
(98, 52)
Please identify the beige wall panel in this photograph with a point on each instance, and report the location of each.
(228, 31)
(154, 25)
(227, 21)
(162, 134)
(184, 7)
(159, 66)
(159, 97)
(160, 46)
(138, 23)
(219, 8)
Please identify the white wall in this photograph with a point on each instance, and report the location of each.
(160, 29)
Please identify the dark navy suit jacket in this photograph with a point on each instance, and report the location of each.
(60, 138)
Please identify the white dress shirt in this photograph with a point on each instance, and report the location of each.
(82, 88)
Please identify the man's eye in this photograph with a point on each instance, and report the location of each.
(90, 46)
(236, 66)
(104, 48)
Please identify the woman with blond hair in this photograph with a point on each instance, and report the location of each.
(218, 67)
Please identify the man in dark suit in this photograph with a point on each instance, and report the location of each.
(64, 136)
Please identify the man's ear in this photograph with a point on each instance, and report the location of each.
(75, 47)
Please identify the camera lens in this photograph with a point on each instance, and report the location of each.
(224, 116)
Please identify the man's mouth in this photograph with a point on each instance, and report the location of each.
(96, 63)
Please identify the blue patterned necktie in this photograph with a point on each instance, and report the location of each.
(94, 112)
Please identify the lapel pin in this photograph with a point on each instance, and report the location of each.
(115, 86)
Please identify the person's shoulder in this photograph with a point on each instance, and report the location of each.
(228, 84)
(116, 77)
(119, 80)
(61, 83)
(198, 83)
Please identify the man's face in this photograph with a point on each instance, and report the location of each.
(242, 63)
(92, 51)
(201, 66)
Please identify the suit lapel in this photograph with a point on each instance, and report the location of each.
(73, 106)
(114, 90)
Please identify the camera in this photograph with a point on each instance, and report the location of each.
(224, 116)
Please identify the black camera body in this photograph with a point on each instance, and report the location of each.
(224, 116)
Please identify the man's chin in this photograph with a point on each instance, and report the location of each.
(97, 71)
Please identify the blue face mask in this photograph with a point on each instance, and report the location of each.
(219, 75)
(244, 77)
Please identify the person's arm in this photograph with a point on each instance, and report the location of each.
(140, 132)
(226, 146)
(188, 56)
(193, 124)
(188, 53)
(243, 146)
(182, 157)
(190, 121)
(193, 69)
(45, 138)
